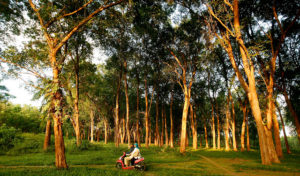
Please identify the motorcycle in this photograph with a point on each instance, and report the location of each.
(136, 163)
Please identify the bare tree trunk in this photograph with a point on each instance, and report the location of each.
(193, 127)
(205, 133)
(243, 128)
(76, 107)
(284, 134)
(227, 146)
(162, 127)
(248, 135)
(47, 135)
(146, 116)
(157, 136)
(233, 122)
(137, 112)
(166, 130)
(106, 131)
(183, 121)
(218, 126)
(92, 125)
(171, 122)
(123, 130)
(213, 130)
(276, 133)
(127, 103)
(117, 125)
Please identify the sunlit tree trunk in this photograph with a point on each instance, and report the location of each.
(213, 130)
(171, 121)
(227, 146)
(244, 109)
(123, 131)
(92, 124)
(205, 133)
(162, 127)
(166, 130)
(47, 135)
(193, 127)
(284, 134)
(137, 112)
(157, 136)
(127, 103)
(218, 127)
(105, 131)
(117, 123)
(233, 122)
(146, 116)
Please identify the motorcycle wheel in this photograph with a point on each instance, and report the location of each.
(119, 166)
(141, 166)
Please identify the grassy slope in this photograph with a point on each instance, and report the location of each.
(99, 159)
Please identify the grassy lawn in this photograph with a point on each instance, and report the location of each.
(99, 159)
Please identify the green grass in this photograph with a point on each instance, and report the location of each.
(100, 158)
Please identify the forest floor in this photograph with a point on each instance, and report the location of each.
(99, 159)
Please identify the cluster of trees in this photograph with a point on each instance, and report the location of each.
(176, 70)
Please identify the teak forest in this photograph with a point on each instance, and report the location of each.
(191, 82)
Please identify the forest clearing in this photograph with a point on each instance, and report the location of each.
(139, 87)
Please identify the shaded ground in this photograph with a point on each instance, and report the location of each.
(99, 159)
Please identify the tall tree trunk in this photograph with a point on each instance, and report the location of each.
(166, 130)
(193, 127)
(248, 135)
(284, 134)
(47, 135)
(157, 136)
(276, 133)
(127, 103)
(146, 115)
(218, 126)
(171, 121)
(92, 124)
(162, 127)
(137, 112)
(117, 124)
(184, 118)
(213, 130)
(76, 107)
(205, 133)
(233, 122)
(244, 109)
(150, 131)
(227, 146)
(60, 159)
(123, 130)
(106, 131)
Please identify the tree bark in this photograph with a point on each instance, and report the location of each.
(276, 133)
(244, 109)
(127, 103)
(227, 146)
(47, 135)
(171, 122)
(117, 125)
(92, 124)
(106, 131)
(205, 133)
(213, 130)
(162, 127)
(166, 130)
(193, 127)
(184, 118)
(137, 112)
(157, 136)
(233, 122)
(218, 126)
(146, 115)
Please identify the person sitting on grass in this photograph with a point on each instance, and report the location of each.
(134, 153)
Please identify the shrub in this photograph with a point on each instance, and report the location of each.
(8, 137)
